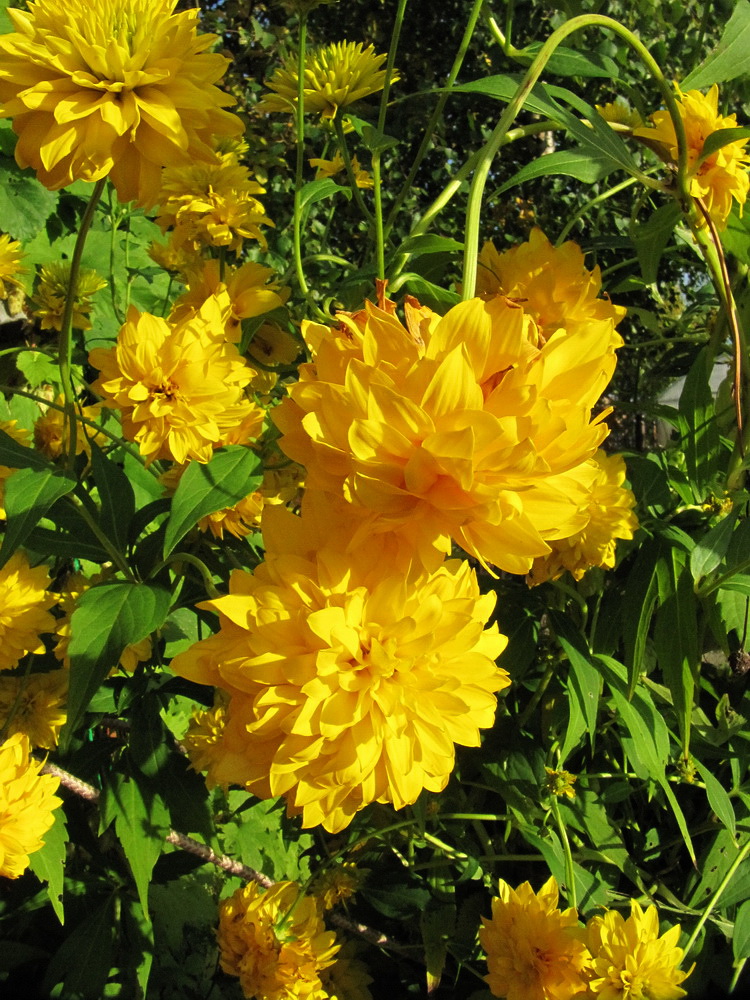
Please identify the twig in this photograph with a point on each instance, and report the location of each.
(220, 860)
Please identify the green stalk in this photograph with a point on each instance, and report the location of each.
(436, 114)
(344, 147)
(569, 869)
(103, 539)
(711, 905)
(489, 151)
(65, 340)
(300, 163)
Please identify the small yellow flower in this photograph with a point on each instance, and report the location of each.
(561, 783)
(117, 88)
(351, 674)
(347, 978)
(534, 950)
(27, 804)
(176, 258)
(24, 609)
(51, 433)
(630, 960)
(336, 884)
(551, 283)
(718, 179)
(10, 265)
(336, 166)
(211, 204)
(336, 76)
(179, 387)
(35, 706)
(275, 942)
(620, 115)
(609, 516)
(48, 300)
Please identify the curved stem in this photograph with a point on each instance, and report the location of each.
(488, 153)
(65, 340)
(187, 557)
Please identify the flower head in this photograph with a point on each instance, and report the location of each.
(336, 166)
(336, 76)
(551, 283)
(35, 705)
(336, 884)
(609, 512)
(10, 265)
(52, 433)
(716, 179)
(24, 609)
(211, 204)
(560, 783)
(179, 387)
(351, 675)
(470, 426)
(630, 960)
(534, 950)
(347, 978)
(27, 803)
(48, 300)
(117, 88)
(275, 942)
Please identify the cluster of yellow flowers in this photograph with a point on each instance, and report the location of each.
(537, 952)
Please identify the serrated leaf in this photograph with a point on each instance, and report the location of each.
(587, 166)
(115, 496)
(741, 935)
(141, 823)
(29, 494)
(231, 475)
(108, 618)
(718, 798)
(139, 939)
(25, 205)
(650, 239)
(37, 368)
(48, 863)
(730, 58)
(86, 956)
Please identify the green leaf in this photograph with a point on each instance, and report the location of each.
(149, 749)
(718, 798)
(84, 959)
(698, 426)
(141, 823)
(584, 165)
(569, 62)
(638, 610)
(139, 941)
(18, 456)
(730, 58)
(711, 549)
(585, 681)
(109, 617)
(25, 205)
(430, 294)
(115, 495)
(594, 132)
(720, 138)
(29, 494)
(741, 935)
(48, 863)
(429, 243)
(373, 140)
(315, 191)
(37, 368)
(6, 24)
(650, 239)
(437, 921)
(503, 88)
(676, 639)
(231, 475)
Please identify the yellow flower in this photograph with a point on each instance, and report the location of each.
(179, 387)
(273, 346)
(21, 435)
(609, 513)
(630, 960)
(52, 434)
(468, 426)
(336, 76)
(551, 283)
(27, 802)
(275, 942)
(211, 204)
(10, 265)
(117, 88)
(250, 288)
(352, 674)
(331, 168)
(75, 585)
(48, 301)
(35, 706)
(347, 978)
(534, 950)
(24, 609)
(172, 256)
(336, 884)
(204, 739)
(620, 115)
(716, 179)
(561, 783)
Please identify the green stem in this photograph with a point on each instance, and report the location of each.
(547, 676)
(300, 163)
(187, 557)
(435, 116)
(117, 558)
(489, 151)
(579, 213)
(344, 147)
(569, 869)
(65, 340)
(741, 855)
